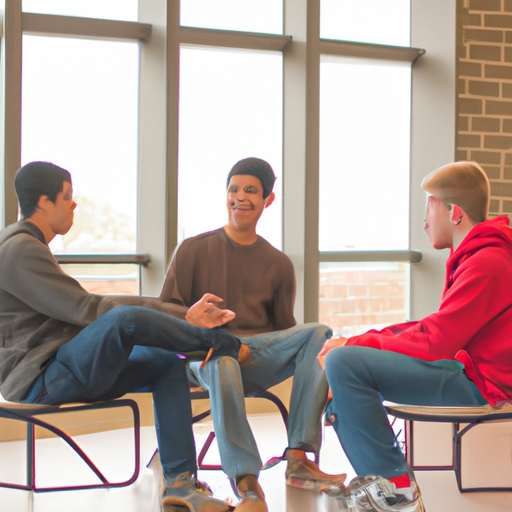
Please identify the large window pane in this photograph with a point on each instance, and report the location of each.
(80, 112)
(224, 117)
(364, 155)
(366, 21)
(247, 15)
(356, 297)
(126, 10)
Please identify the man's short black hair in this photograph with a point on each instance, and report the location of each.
(258, 168)
(38, 179)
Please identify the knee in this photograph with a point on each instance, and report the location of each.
(224, 366)
(319, 333)
(121, 316)
(343, 362)
(224, 372)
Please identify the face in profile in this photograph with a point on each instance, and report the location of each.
(61, 211)
(438, 225)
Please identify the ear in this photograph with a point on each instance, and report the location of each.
(457, 215)
(270, 199)
(42, 202)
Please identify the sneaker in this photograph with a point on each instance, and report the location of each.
(376, 494)
(188, 494)
(305, 474)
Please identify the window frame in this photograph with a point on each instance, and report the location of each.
(432, 124)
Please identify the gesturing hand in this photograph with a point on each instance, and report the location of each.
(205, 313)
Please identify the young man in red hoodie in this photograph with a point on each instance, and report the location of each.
(461, 355)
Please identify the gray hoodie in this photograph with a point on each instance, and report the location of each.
(41, 307)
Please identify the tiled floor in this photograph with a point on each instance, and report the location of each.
(439, 488)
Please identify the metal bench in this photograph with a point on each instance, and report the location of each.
(31, 416)
(463, 420)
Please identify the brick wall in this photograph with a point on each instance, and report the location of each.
(351, 300)
(484, 124)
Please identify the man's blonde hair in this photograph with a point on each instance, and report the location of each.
(464, 184)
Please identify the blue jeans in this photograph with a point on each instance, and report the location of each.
(275, 357)
(361, 377)
(132, 348)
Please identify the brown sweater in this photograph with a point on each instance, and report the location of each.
(256, 281)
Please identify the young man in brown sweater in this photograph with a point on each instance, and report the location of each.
(257, 282)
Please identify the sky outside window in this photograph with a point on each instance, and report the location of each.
(225, 117)
(80, 100)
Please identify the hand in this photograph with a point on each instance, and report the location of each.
(328, 346)
(244, 356)
(205, 313)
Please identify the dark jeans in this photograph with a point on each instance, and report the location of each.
(133, 348)
(361, 377)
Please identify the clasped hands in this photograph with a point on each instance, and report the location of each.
(206, 313)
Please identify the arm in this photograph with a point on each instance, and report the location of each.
(478, 294)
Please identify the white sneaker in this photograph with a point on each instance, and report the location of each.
(376, 494)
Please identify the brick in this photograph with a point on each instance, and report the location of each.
(461, 52)
(497, 142)
(507, 125)
(472, 20)
(486, 157)
(493, 173)
(485, 5)
(498, 20)
(463, 125)
(485, 124)
(501, 189)
(468, 141)
(507, 173)
(506, 90)
(498, 108)
(508, 37)
(482, 35)
(470, 106)
(508, 6)
(470, 69)
(494, 207)
(508, 158)
(478, 88)
(485, 52)
(461, 86)
(461, 155)
(508, 54)
(493, 71)
(507, 206)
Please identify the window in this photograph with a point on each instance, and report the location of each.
(225, 117)
(249, 15)
(366, 21)
(109, 9)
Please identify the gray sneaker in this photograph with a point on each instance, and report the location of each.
(376, 494)
(186, 494)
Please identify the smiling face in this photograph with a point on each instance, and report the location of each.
(438, 224)
(245, 202)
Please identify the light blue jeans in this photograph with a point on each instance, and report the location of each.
(275, 357)
(361, 377)
(132, 348)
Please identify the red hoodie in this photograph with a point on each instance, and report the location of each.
(474, 322)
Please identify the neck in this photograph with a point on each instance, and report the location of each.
(242, 237)
(462, 231)
(38, 221)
